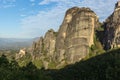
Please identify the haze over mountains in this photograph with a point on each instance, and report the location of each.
(14, 43)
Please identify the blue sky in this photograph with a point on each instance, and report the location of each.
(32, 18)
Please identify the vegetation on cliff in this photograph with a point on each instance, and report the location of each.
(102, 67)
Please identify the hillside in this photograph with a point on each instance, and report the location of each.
(102, 67)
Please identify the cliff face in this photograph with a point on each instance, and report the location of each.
(112, 29)
(80, 35)
(75, 35)
(71, 43)
(49, 43)
(75, 38)
(60, 40)
(37, 46)
(45, 46)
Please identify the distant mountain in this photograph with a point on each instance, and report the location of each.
(14, 43)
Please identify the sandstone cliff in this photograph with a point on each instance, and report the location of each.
(78, 34)
(60, 40)
(75, 35)
(73, 40)
(112, 29)
(44, 49)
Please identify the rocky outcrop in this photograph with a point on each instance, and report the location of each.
(49, 43)
(45, 46)
(21, 53)
(75, 35)
(80, 35)
(37, 47)
(60, 40)
(71, 43)
(112, 29)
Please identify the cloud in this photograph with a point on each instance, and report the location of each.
(22, 15)
(32, 2)
(49, 1)
(37, 25)
(7, 3)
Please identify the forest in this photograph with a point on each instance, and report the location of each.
(101, 67)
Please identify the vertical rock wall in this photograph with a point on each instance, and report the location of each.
(71, 43)
(112, 29)
(80, 35)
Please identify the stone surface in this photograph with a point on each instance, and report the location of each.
(60, 40)
(49, 43)
(80, 35)
(112, 29)
(72, 41)
(21, 53)
(37, 46)
(75, 37)
(44, 48)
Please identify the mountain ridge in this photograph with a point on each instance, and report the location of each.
(14, 43)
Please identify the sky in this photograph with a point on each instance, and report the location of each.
(32, 18)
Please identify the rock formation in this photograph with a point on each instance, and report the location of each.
(75, 37)
(49, 42)
(112, 29)
(38, 46)
(60, 40)
(71, 43)
(80, 35)
(21, 53)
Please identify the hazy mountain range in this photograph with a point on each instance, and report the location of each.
(15, 43)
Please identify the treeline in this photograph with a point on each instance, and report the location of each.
(102, 67)
(10, 70)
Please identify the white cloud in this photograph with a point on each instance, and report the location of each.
(22, 15)
(32, 2)
(37, 25)
(7, 3)
(49, 1)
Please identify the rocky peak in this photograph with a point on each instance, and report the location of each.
(49, 42)
(70, 13)
(117, 5)
(37, 48)
(80, 34)
(112, 29)
(72, 41)
(21, 53)
(75, 35)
